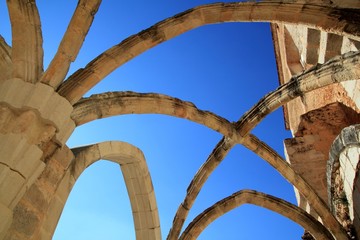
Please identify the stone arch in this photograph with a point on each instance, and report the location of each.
(33, 60)
(97, 107)
(342, 177)
(27, 51)
(109, 104)
(311, 15)
(348, 138)
(137, 179)
(118, 103)
(280, 206)
(71, 43)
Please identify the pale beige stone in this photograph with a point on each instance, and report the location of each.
(6, 216)
(38, 119)
(12, 186)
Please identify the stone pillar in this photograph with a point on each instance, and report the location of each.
(34, 122)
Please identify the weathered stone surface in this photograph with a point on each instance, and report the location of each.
(309, 162)
(317, 114)
(136, 176)
(7, 216)
(37, 170)
(341, 177)
(25, 220)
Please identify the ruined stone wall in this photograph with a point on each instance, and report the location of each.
(317, 118)
(33, 119)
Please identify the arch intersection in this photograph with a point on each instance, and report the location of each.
(317, 53)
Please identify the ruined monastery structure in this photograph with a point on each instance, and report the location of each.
(316, 44)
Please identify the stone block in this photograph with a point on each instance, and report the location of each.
(52, 215)
(64, 157)
(143, 234)
(143, 202)
(152, 219)
(343, 159)
(313, 46)
(308, 161)
(10, 87)
(353, 154)
(349, 136)
(131, 171)
(11, 187)
(179, 25)
(65, 132)
(106, 150)
(352, 89)
(45, 103)
(143, 185)
(349, 174)
(44, 234)
(4, 171)
(24, 158)
(139, 202)
(334, 45)
(39, 97)
(35, 175)
(139, 186)
(52, 174)
(35, 198)
(65, 187)
(25, 221)
(147, 185)
(6, 219)
(140, 220)
(28, 183)
(210, 14)
(29, 162)
(13, 147)
(57, 110)
(152, 201)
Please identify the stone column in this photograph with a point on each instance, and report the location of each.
(34, 122)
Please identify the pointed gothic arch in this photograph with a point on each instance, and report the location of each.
(272, 203)
(136, 176)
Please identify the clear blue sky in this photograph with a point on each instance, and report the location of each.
(223, 68)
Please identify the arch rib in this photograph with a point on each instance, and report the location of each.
(27, 52)
(322, 17)
(137, 179)
(278, 205)
(336, 70)
(71, 42)
(118, 103)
